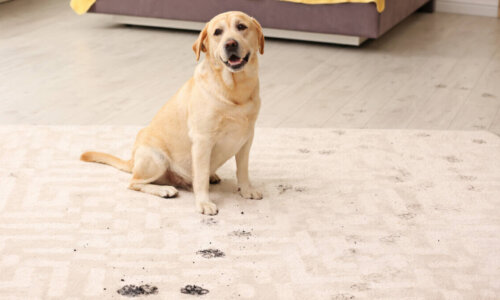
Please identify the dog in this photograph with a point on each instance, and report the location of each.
(210, 119)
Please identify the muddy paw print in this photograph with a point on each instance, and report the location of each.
(452, 159)
(194, 290)
(241, 233)
(283, 188)
(209, 221)
(134, 291)
(343, 297)
(211, 253)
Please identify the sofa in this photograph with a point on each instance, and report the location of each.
(344, 23)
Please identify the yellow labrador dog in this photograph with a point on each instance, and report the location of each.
(208, 121)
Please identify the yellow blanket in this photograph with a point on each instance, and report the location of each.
(81, 6)
(380, 3)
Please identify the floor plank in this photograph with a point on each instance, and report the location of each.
(366, 103)
(443, 105)
(408, 101)
(484, 102)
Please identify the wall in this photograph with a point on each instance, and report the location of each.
(469, 7)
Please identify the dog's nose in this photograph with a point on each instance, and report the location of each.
(231, 45)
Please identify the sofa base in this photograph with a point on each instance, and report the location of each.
(268, 32)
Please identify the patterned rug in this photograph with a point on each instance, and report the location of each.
(346, 214)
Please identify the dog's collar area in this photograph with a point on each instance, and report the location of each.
(235, 62)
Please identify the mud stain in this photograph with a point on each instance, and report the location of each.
(194, 290)
(339, 132)
(360, 287)
(452, 159)
(343, 297)
(211, 253)
(209, 221)
(283, 188)
(407, 216)
(473, 188)
(241, 233)
(467, 178)
(479, 141)
(390, 239)
(304, 150)
(326, 152)
(403, 175)
(300, 189)
(414, 206)
(423, 134)
(353, 238)
(487, 95)
(135, 291)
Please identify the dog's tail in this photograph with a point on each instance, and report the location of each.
(108, 159)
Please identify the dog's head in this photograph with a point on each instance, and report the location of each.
(231, 39)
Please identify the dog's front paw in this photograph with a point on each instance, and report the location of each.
(250, 193)
(167, 191)
(207, 208)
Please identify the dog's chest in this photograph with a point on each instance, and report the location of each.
(234, 130)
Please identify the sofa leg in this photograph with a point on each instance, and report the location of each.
(428, 7)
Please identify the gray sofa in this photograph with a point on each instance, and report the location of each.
(349, 23)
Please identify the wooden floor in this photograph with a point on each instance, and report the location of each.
(433, 71)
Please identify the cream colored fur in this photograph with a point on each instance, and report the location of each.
(208, 121)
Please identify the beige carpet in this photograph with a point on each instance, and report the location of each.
(347, 214)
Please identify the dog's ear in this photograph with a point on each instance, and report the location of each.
(260, 35)
(199, 45)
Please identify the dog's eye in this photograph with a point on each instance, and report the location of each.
(218, 32)
(241, 27)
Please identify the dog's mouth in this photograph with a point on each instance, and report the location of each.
(235, 62)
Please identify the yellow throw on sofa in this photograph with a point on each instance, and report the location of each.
(81, 6)
(380, 3)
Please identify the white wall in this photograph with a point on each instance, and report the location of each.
(469, 7)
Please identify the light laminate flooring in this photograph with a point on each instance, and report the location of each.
(433, 71)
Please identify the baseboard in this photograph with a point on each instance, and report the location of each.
(478, 9)
(268, 32)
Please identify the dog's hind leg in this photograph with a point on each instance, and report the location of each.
(150, 164)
